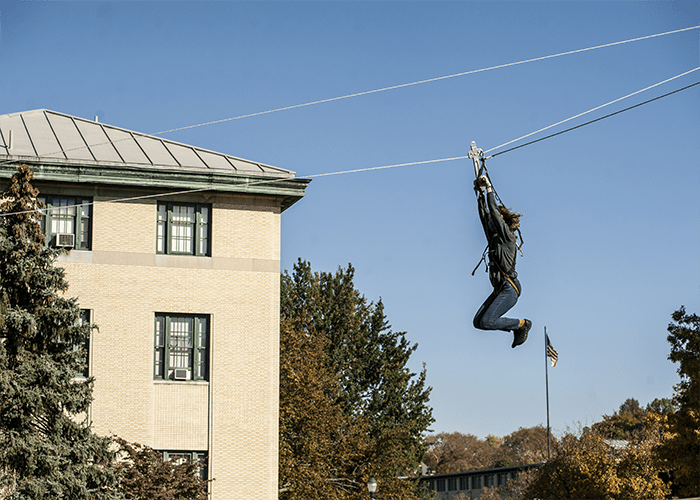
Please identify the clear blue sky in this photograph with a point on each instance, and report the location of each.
(611, 222)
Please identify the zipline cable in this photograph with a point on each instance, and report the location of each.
(402, 85)
(528, 135)
(596, 120)
(396, 165)
(384, 89)
(393, 87)
(591, 110)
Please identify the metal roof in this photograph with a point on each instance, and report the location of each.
(52, 136)
(616, 444)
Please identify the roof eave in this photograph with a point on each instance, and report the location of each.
(288, 188)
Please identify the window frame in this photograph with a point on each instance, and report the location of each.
(201, 228)
(190, 456)
(198, 352)
(82, 219)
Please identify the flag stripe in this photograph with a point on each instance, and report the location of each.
(552, 353)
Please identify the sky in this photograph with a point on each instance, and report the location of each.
(611, 221)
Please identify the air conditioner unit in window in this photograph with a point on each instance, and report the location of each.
(65, 240)
(180, 374)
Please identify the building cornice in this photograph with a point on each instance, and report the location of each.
(288, 188)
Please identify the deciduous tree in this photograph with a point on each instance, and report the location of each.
(627, 423)
(47, 448)
(527, 445)
(376, 390)
(145, 475)
(589, 467)
(318, 442)
(584, 468)
(681, 450)
(639, 471)
(514, 489)
(457, 452)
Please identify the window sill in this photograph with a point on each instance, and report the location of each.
(176, 254)
(181, 382)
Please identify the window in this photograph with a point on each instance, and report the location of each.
(181, 344)
(464, 483)
(476, 482)
(180, 457)
(441, 485)
(183, 229)
(67, 221)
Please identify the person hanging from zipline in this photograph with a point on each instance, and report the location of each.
(500, 225)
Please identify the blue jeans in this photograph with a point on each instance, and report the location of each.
(488, 317)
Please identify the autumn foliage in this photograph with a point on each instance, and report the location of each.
(144, 474)
(350, 408)
(591, 467)
(635, 453)
(680, 450)
(456, 452)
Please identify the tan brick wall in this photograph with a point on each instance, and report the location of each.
(263, 243)
(234, 415)
(124, 227)
(180, 415)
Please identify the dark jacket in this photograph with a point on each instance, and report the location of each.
(501, 240)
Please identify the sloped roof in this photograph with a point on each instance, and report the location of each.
(50, 135)
(68, 149)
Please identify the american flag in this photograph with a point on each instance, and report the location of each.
(551, 352)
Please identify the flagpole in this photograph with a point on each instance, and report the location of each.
(546, 377)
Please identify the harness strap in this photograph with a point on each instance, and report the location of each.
(483, 257)
(507, 278)
(513, 285)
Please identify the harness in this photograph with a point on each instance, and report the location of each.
(504, 276)
(477, 155)
(507, 278)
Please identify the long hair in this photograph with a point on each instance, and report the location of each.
(512, 219)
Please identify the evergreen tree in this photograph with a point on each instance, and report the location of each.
(661, 406)
(376, 389)
(681, 450)
(47, 448)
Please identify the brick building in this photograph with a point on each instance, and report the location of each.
(181, 274)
